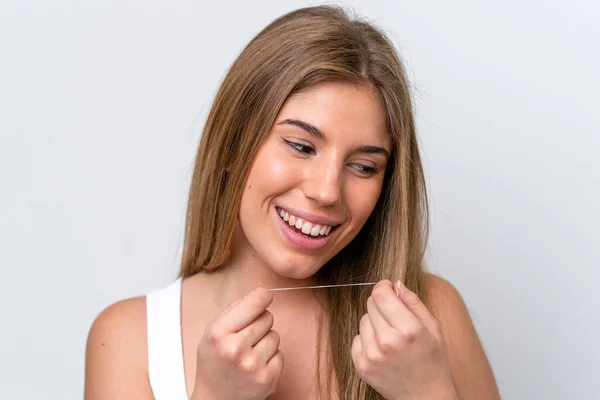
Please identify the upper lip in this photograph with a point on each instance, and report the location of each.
(308, 216)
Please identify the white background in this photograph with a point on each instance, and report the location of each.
(101, 108)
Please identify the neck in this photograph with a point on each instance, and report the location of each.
(246, 272)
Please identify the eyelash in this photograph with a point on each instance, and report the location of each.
(299, 146)
(363, 170)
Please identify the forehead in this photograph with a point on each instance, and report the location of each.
(339, 109)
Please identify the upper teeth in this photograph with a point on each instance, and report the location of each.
(308, 228)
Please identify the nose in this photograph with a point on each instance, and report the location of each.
(323, 183)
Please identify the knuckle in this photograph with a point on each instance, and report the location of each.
(373, 356)
(212, 335)
(231, 351)
(411, 333)
(363, 367)
(359, 362)
(251, 330)
(269, 318)
(274, 336)
(388, 344)
(249, 364)
(278, 360)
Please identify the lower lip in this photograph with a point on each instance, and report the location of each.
(300, 240)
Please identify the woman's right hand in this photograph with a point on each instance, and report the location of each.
(238, 356)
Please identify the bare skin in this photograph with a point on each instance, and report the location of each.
(258, 340)
(117, 366)
(295, 322)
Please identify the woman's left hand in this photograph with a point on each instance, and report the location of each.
(400, 350)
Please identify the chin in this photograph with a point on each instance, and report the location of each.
(294, 269)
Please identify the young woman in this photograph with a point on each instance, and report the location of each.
(308, 173)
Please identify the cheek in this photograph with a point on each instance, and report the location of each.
(361, 200)
(271, 172)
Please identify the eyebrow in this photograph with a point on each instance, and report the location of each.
(314, 131)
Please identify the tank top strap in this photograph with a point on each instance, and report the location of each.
(165, 349)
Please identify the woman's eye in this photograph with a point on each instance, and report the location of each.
(299, 147)
(364, 170)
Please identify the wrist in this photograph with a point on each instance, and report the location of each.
(447, 393)
(444, 390)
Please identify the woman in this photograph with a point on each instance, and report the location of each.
(308, 173)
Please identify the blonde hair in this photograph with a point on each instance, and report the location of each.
(298, 50)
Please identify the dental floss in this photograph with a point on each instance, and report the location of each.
(322, 286)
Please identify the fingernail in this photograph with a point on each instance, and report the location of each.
(397, 287)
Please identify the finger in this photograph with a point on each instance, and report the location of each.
(275, 364)
(257, 329)
(356, 350)
(391, 308)
(247, 310)
(371, 340)
(367, 334)
(378, 324)
(266, 347)
(231, 305)
(416, 306)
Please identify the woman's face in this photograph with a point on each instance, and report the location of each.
(316, 178)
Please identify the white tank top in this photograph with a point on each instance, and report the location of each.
(165, 350)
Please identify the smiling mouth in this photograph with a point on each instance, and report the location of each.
(303, 227)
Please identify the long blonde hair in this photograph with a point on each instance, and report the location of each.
(300, 49)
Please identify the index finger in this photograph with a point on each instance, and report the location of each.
(250, 307)
(390, 308)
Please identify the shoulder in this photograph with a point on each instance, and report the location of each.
(116, 353)
(449, 309)
(118, 323)
(471, 370)
(444, 298)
